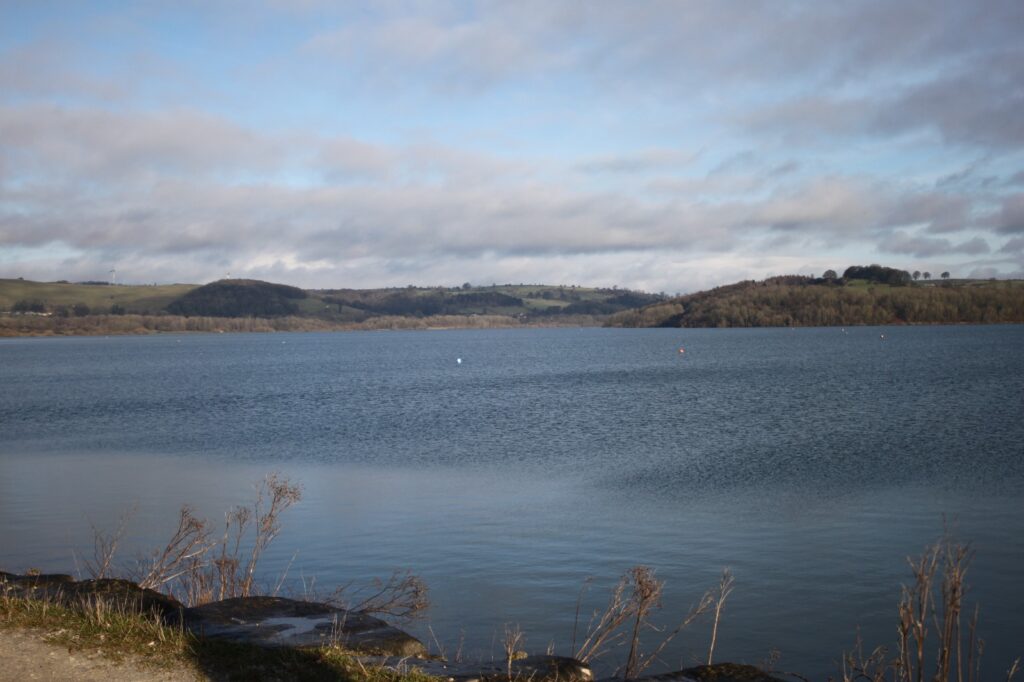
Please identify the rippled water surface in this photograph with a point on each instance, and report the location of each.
(810, 461)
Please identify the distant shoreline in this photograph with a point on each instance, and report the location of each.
(21, 326)
(16, 326)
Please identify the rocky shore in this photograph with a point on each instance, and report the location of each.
(278, 623)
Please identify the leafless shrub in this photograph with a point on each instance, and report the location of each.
(105, 546)
(512, 643)
(724, 589)
(604, 629)
(194, 567)
(872, 667)
(273, 497)
(182, 553)
(932, 603)
(634, 598)
(402, 595)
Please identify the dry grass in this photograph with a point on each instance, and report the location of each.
(114, 629)
(118, 632)
(196, 567)
(933, 643)
(627, 616)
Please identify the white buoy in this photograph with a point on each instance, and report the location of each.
(458, 361)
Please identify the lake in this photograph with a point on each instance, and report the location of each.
(811, 462)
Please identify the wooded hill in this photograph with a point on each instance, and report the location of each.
(887, 297)
(863, 295)
(98, 307)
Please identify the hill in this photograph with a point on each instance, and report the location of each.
(238, 298)
(97, 298)
(31, 308)
(795, 301)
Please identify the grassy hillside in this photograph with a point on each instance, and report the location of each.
(97, 297)
(805, 302)
(535, 303)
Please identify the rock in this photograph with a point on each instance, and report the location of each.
(719, 672)
(275, 621)
(540, 668)
(115, 593)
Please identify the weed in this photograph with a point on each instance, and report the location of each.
(633, 599)
(932, 603)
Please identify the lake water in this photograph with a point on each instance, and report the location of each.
(811, 462)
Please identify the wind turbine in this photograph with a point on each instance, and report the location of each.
(113, 276)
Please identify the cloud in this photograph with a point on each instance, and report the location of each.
(1015, 245)
(196, 187)
(642, 161)
(51, 141)
(976, 104)
(513, 140)
(927, 247)
(343, 159)
(1010, 217)
(43, 68)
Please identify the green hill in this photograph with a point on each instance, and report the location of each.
(795, 301)
(239, 298)
(99, 297)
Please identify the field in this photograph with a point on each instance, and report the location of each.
(142, 299)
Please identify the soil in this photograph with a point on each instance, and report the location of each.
(25, 655)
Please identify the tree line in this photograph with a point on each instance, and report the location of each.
(751, 304)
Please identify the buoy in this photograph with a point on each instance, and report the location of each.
(682, 350)
(458, 361)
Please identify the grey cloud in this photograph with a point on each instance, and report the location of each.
(1015, 245)
(984, 272)
(962, 177)
(643, 161)
(45, 68)
(926, 247)
(102, 145)
(979, 104)
(785, 168)
(346, 159)
(677, 46)
(939, 212)
(1010, 217)
(466, 54)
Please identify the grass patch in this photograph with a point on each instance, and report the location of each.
(116, 633)
(120, 634)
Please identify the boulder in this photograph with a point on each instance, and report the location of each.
(279, 622)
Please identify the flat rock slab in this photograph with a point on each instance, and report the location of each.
(539, 668)
(719, 672)
(275, 621)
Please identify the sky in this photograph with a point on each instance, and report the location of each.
(667, 146)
